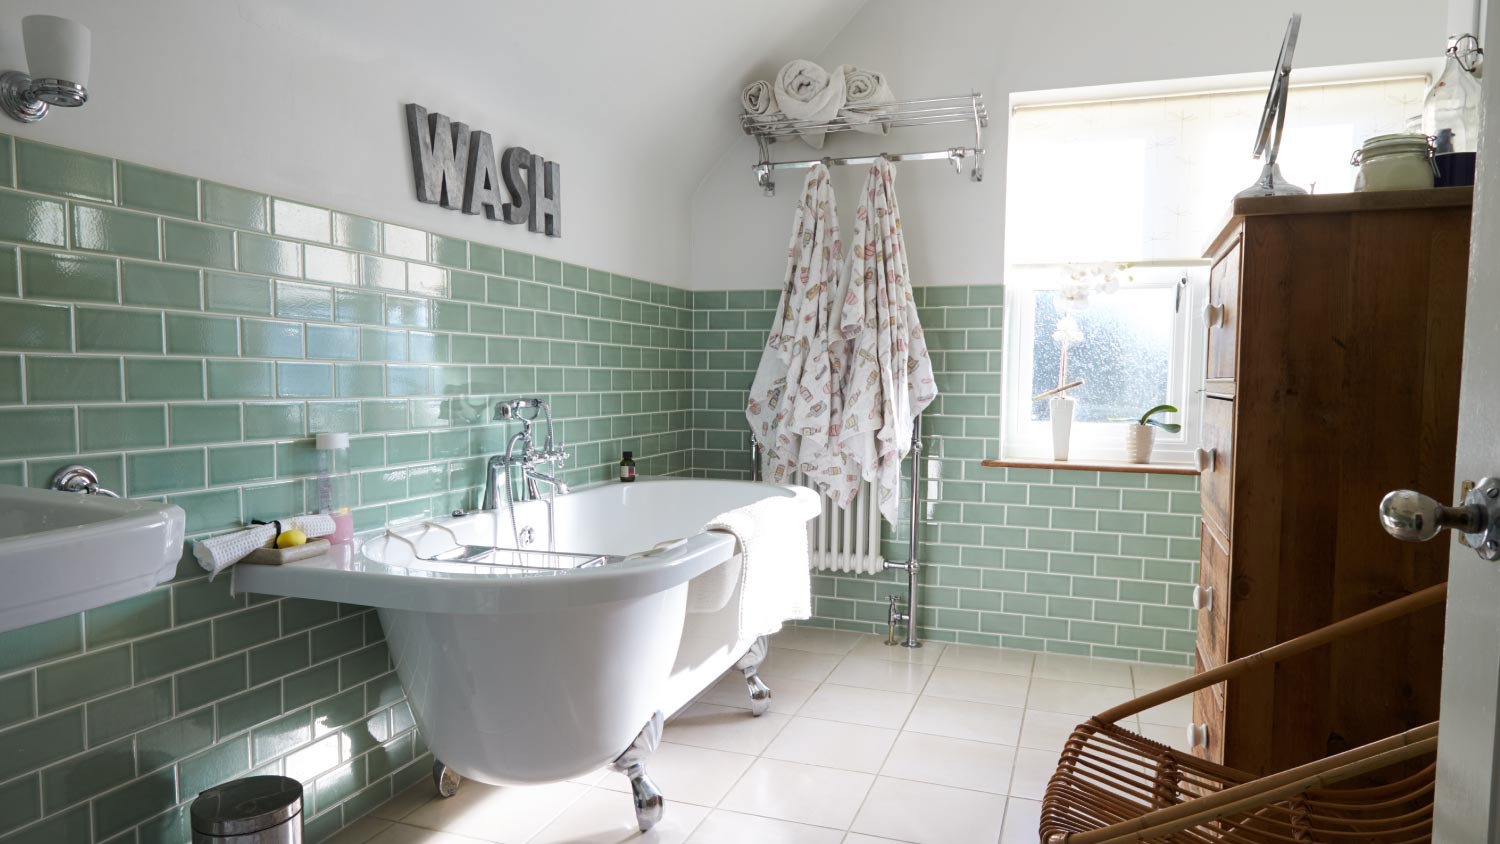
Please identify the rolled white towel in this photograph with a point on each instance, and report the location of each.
(864, 88)
(759, 100)
(805, 91)
(221, 552)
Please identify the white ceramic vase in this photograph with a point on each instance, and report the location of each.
(1062, 425)
(1138, 442)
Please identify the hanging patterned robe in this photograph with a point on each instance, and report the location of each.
(887, 378)
(791, 399)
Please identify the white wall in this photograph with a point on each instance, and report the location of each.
(303, 100)
(955, 228)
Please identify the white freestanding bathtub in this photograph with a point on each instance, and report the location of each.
(531, 675)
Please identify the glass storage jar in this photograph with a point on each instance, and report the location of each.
(1394, 162)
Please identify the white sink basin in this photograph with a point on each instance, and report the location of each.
(65, 552)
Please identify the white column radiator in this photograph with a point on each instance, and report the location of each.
(848, 539)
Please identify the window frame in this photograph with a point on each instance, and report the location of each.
(1024, 439)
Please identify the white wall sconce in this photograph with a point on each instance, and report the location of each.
(57, 52)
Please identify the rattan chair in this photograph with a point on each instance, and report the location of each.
(1113, 786)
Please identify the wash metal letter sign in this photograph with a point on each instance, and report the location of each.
(457, 169)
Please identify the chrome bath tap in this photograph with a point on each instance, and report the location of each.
(528, 458)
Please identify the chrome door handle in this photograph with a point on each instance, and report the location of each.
(1411, 516)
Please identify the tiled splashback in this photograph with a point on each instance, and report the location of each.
(183, 338)
(1095, 563)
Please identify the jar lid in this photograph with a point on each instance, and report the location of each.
(1403, 143)
(246, 806)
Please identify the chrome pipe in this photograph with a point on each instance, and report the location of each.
(911, 566)
(935, 155)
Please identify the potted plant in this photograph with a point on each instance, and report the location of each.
(1140, 435)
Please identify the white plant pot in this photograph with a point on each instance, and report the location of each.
(1138, 442)
(1062, 425)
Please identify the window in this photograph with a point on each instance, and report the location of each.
(1109, 205)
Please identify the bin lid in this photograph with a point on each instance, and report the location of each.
(248, 805)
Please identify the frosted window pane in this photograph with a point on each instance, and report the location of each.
(1124, 356)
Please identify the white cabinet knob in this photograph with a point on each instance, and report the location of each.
(1203, 599)
(1197, 736)
(1213, 315)
(1207, 458)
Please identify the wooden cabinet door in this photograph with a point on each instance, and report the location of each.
(1208, 722)
(1218, 477)
(1212, 597)
(1224, 317)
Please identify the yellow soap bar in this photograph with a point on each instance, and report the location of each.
(290, 538)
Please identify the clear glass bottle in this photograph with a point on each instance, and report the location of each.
(1451, 111)
(335, 488)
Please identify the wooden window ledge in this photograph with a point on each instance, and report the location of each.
(1093, 466)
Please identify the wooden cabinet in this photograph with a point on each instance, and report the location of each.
(1334, 343)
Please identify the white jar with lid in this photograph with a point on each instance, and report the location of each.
(1394, 162)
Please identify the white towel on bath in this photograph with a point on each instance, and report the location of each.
(758, 100)
(775, 583)
(221, 552)
(864, 88)
(805, 91)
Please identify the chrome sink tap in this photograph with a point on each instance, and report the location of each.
(528, 457)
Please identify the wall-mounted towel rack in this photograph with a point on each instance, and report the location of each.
(932, 111)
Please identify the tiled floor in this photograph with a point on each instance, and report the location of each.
(864, 744)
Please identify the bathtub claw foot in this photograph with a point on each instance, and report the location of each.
(749, 664)
(632, 763)
(446, 779)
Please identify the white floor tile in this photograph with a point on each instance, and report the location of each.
(726, 827)
(874, 647)
(361, 831)
(1173, 737)
(1044, 730)
(787, 694)
(979, 658)
(724, 728)
(802, 793)
(882, 674)
(860, 838)
(1033, 769)
(816, 639)
(833, 744)
(1173, 713)
(930, 814)
(1081, 669)
(687, 774)
(605, 817)
(1149, 678)
(403, 834)
(978, 686)
(407, 801)
(1022, 820)
(508, 815)
(961, 763)
(966, 720)
(798, 665)
(871, 707)
(1084, 699)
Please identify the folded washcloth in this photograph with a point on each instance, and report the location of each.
(221, 552)
(759, 100)
(805, 91)
(774, 582)
(864, 88)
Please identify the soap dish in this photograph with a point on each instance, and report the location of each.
(270, 555)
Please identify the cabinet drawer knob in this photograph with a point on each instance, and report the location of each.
(1203, 599)
(1207, 458)
(1213, 315)
(1197, 736)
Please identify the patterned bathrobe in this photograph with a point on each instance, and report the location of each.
(887, 377)
(792, 408)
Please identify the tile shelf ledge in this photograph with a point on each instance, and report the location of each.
(1091, 465)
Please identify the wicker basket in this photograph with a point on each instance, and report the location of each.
(1113, 786)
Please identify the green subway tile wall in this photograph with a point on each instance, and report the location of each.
(1091, 563)
(184, 339)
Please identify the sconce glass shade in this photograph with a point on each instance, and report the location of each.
(57, 51)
